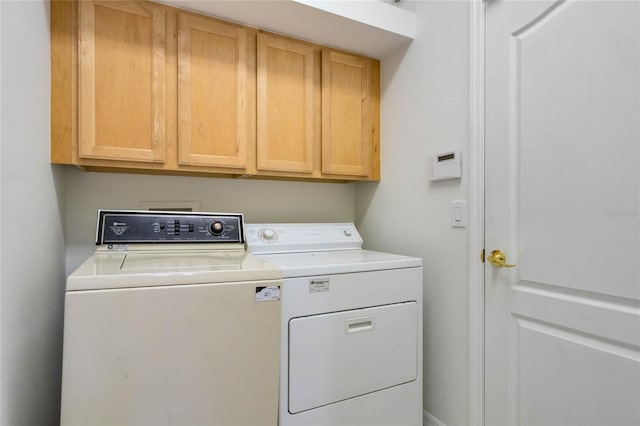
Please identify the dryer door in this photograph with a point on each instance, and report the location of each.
(341, 355)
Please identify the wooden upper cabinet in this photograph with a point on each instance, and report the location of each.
(213, 93)
(285, 105)
(121, 81)
(143, 87)
(346, 114)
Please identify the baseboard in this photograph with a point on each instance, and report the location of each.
(429, 420)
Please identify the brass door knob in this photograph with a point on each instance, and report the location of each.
(498, 259)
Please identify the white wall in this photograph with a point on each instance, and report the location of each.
(424, 111)
(32, 194)
(258, 200)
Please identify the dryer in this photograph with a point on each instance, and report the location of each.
(351, 326)
(171, 322)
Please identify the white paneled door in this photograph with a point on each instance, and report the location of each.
(562, 168)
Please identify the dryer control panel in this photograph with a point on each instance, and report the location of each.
(301, 237)
(136, 226)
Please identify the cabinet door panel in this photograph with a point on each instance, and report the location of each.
(346, 114)
(212, 93)
(285, 109)
(121, 81)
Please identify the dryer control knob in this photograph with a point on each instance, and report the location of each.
(347, 233)
(268, 235)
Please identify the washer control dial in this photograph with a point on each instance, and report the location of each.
(216, 228)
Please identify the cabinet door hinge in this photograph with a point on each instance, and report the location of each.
(482, 255)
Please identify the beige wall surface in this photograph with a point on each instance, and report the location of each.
(31, 224)
(425, 111)
(258, 200)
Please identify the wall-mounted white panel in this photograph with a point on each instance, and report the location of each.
(370, 27)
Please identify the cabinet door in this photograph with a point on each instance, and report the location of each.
(285, 110)
(213, 93)
(346, 114)
(121, 74)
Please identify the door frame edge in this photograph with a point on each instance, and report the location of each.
(476, 211)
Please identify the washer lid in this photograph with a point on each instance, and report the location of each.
(110, 270)
(338, 262)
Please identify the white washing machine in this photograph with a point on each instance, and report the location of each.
(351, 327)
(171, 322)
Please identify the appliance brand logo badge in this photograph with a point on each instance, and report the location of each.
(319, 285)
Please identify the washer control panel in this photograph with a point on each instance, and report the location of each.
(133, 226)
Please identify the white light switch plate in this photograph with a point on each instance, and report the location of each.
(459, 214)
